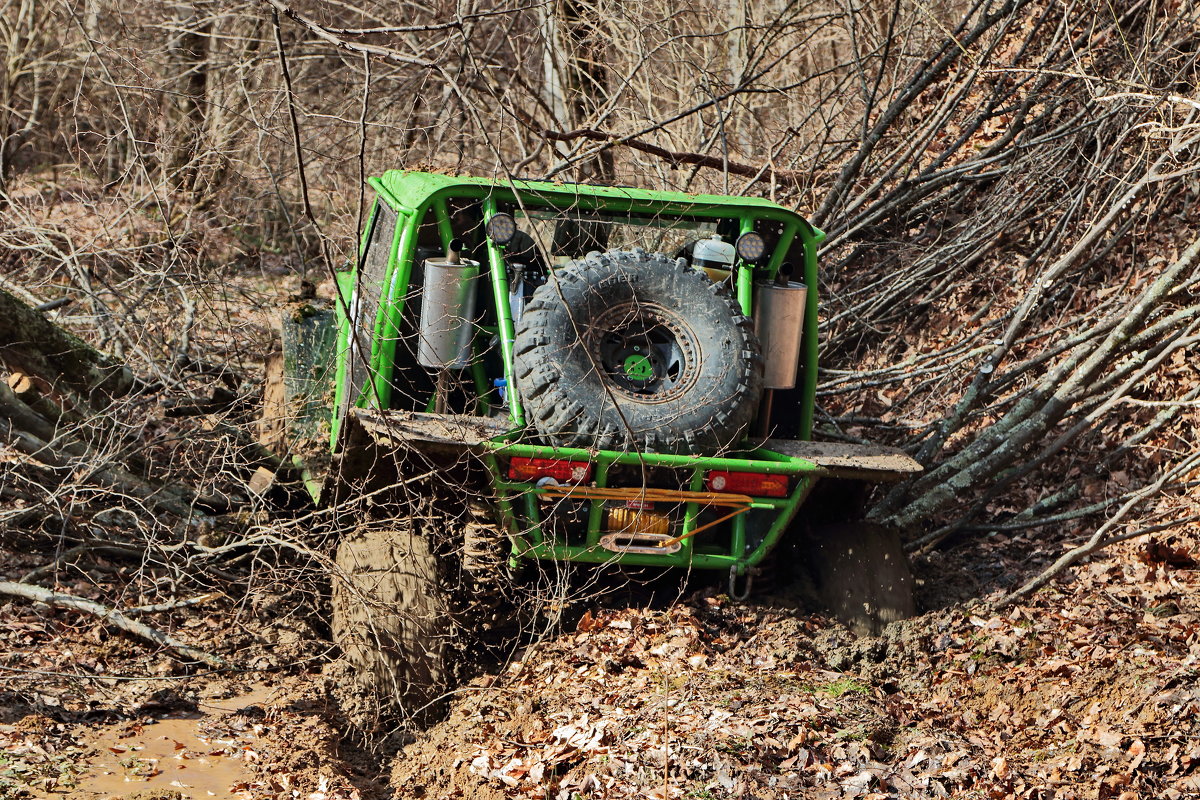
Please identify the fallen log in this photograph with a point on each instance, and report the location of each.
(26, 389)
(111, 616)
(34, 425)
(26, 431)
(32, 344)
(23, 386)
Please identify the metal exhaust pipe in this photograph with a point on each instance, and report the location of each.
(779, 323)
(448, 310)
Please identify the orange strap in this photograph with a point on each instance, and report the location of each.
(649, 495)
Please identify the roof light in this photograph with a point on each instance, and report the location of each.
(501, 228)
(750, 246)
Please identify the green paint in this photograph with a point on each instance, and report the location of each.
(425, 203)
(638, 367)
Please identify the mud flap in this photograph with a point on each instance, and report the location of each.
(866, 462)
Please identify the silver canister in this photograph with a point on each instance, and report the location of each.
(779, 323)
(447, 313)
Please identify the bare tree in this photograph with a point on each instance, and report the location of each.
(1010, 266)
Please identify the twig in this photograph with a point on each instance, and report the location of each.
(299, 150)
(1100, 539)
(111, 616)
(170, 605)
(672, 157)
(325, 35)
(50, 305)
(70, 553)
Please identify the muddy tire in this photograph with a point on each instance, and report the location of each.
(860, 574)
(633, 349)
(391, 619)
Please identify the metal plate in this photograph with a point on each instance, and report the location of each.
(646, 543)
(418, 430)
(845, 460)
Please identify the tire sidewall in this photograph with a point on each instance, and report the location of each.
(391, 618)
(710, 414)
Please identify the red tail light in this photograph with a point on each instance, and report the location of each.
(758, 484)
(533, 469)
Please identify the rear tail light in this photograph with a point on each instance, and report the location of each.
(757, 484)
(533, 469)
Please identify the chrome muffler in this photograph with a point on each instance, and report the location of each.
(779, 324)
(448, 311)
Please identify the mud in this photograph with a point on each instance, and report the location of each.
(184, 756)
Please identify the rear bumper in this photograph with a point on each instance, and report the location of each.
(741, 542)
(528, 510)
(524, 506)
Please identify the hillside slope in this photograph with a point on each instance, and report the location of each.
(1090, 691)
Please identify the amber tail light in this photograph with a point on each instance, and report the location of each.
(534, 469)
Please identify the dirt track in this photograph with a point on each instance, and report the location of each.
(1089, 692)
(1084, 694)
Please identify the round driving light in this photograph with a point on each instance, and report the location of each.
(501, 228)
(750, 246)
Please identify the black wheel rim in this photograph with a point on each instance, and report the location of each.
(645, 351)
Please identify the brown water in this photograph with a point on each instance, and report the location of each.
(198, 755)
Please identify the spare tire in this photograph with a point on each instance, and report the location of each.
(634, 349)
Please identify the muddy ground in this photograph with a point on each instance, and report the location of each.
(1089, 691)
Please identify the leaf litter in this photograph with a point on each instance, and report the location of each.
(1090, 690)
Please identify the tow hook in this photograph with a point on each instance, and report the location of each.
(745, 578)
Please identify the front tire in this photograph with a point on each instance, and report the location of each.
(861, 574)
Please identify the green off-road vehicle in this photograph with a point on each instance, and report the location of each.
(523, 373)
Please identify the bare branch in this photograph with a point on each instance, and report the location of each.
(112, 617)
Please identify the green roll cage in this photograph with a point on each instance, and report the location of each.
(412, 195)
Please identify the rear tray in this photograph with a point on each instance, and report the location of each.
(460, 432)
(844, 460)
(422, 431)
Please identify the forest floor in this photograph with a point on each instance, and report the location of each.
(1091, 690)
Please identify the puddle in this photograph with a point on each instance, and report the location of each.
(195, 755)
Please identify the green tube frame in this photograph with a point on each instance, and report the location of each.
(434, 193)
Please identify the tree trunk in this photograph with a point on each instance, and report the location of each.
(188, 51)
(32, 344)
(576, 81)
